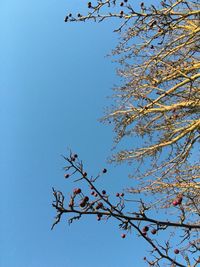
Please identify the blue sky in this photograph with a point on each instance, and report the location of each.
(53, 87)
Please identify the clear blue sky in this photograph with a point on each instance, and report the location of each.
(54, 79)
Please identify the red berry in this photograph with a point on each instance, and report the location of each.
(92, 193)
(103, 192)
(96, 195)
(82, 204)
(84, 174)
(77, 191)
(153, 231)
(122, 194)
(86, 199)
(117, 194)
(123, 235)
(89, 4)
(176, 251)
(75, 156)
(104, 170)
(175, 203)
(121, 4)
(145, 229)
(99, 205)
(99, 216)
(66, 175)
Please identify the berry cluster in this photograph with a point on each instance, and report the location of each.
(100, 204)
